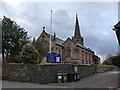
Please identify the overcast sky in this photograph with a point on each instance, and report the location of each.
(96, 21)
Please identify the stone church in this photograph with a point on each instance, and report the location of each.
(72, 50)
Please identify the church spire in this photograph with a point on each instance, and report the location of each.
(77, 38)
(77, 28)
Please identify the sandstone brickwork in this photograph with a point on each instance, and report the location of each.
(71, 50)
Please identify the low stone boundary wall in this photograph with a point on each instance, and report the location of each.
(46, 73)
(103, 68)
(85, 70)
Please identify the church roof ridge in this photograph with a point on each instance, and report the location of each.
(58, 40)
(84, 47)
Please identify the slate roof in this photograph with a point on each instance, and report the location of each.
(79, 45)
(88, 49)
(58, 40)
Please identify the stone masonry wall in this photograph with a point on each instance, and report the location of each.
(46, 73)
(85, 70)
(34, 73)
(105, 68)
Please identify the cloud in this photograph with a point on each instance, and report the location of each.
(63, 30)
(96, 21)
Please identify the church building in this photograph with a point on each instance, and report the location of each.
(72, 50)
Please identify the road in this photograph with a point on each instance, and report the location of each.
(99, 80)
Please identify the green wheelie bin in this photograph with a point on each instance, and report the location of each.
(59, 78)
(64, 77)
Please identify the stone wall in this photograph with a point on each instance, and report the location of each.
(34, 73)
(105, 68)
(85, 70)
(46, 73)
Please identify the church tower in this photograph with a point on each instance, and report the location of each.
(77, 38)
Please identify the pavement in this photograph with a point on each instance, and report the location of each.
(99, 80)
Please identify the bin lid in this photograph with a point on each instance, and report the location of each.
(59, 73)
(64, 73)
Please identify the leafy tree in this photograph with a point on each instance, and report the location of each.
(108, 61)
(29, 54)
(114, 60)
(108, 56)
(42, 47)
(13, 38)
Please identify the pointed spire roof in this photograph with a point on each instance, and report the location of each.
(77, 28)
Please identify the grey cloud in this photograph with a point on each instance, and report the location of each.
(62, 24)
(96, 21)
(10, 11)
(119, 10)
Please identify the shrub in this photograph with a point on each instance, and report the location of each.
(116, 61)
(29, 54)
(13, 59)
(108, 61)
(42, 47)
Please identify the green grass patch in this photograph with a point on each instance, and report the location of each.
(15, 63)
(39, 64)
(83, 64)
(50, 63)
(60, 64)
(104, 65)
